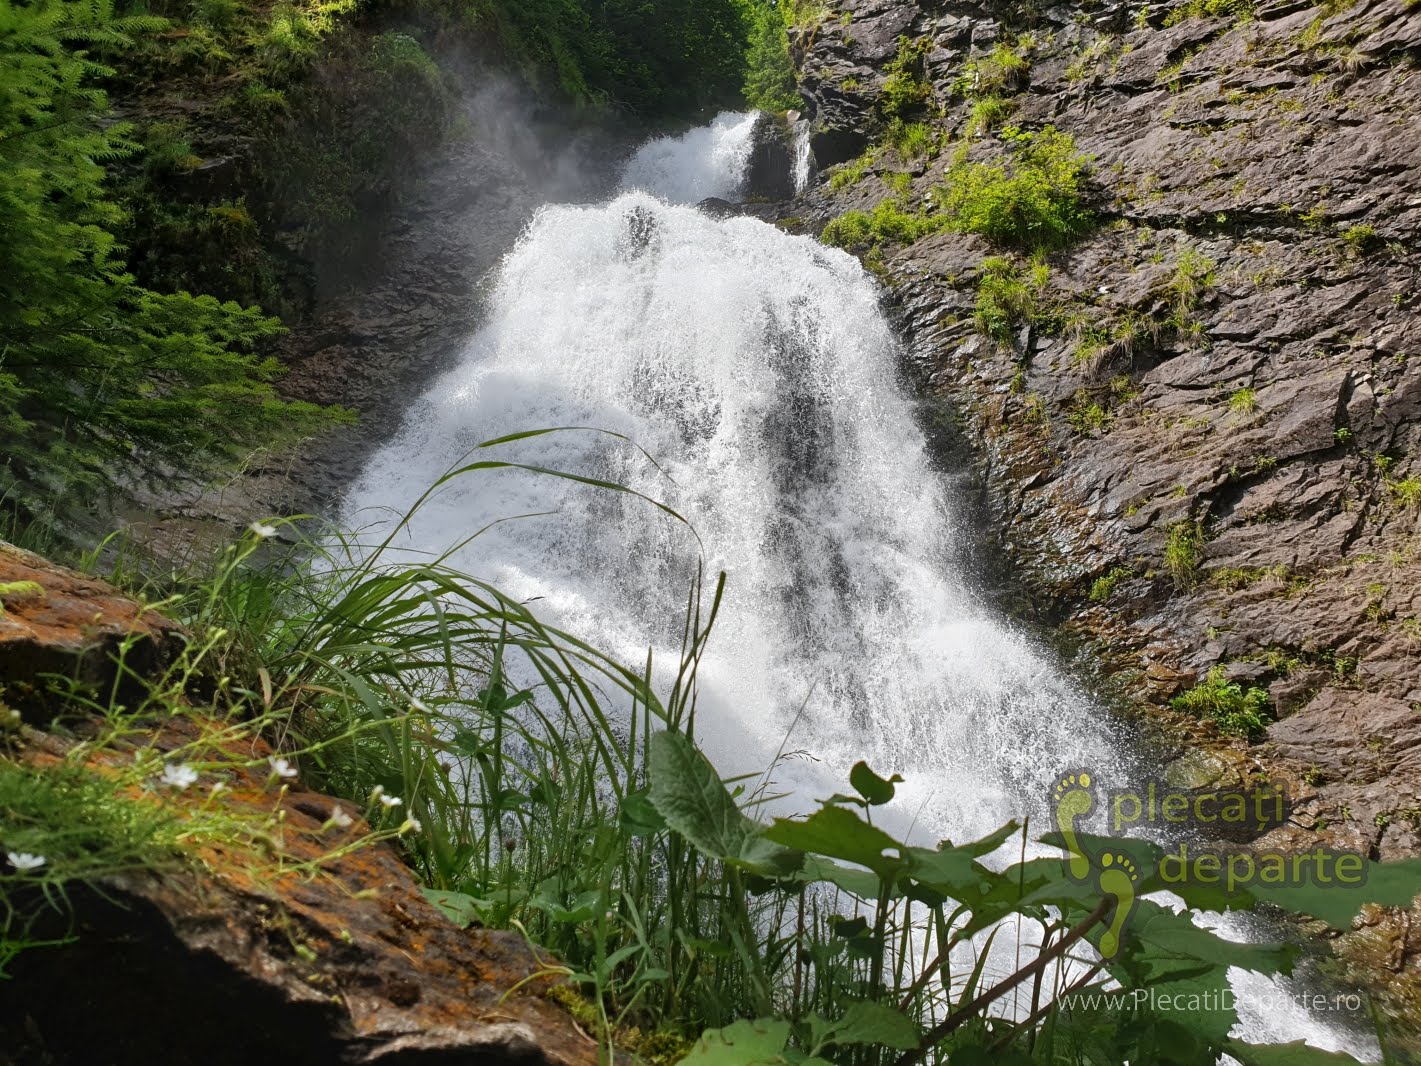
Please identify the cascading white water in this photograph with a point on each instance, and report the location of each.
(803, 156)
(705, 162)
(759, 372)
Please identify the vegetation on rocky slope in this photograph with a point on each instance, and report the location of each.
(533, 782)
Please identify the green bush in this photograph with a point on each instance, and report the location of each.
(888, 221)
(1031, 200)
(1237, 711)
(101, 378)
(1007, 297)
(906, 90)
(1183, 551)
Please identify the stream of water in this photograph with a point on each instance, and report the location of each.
(758, 370)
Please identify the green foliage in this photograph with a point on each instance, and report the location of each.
(653, 57)
(1193, 276)
(906, 91)
(1002, 71)
(1243, 401)
(1236, 10)
(888, 221)
(1360, 239)
(605, 836)
(1183, 549)
(1031, 200)
(1007, 297)
(770, 83)
(912, 140)
(78, 830)
(1406, 491)
(1104, 587)
(1087, 416)
(987, 114)
(101, 378)
(854, 171)
(1237, 711)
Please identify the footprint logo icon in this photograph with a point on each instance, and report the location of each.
(1074, 799)
(1117, 879)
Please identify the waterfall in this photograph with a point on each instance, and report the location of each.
(803, 156)
(705, 162)
(758, 370)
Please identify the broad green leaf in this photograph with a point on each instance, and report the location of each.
(688, 793)
(1297, 1053)
(875, 1023)
(690, 796)
(459, 907)
(876, 790)
(638, 817)
(840, 833)
(859, 883)
(745, 1043)
(1393, 884)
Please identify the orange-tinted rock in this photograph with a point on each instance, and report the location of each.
(57, 621)
(266, 946)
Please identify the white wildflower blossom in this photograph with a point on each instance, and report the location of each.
(218, 787)
(178, 776)
(339, 819)
(410, 825)
(262, 531)
(376, 792)
(390, 801)
(282, 767)
(23, 860)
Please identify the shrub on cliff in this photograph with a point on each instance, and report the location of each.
(100, 378)
(1032, 199)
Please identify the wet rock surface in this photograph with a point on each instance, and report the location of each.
(283, 945)
(373, 346)
(1268, 165)
(1279, 158)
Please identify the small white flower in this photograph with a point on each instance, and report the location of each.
(376, 792)
(410, 825)
(416, 704)
(282, 767)
(219, 786)
(339, 819)
(262, 531)
(178, 776)
(390, 801)
(23, 860)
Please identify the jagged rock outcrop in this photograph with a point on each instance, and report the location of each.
(1209, 455)
(277, 942)
(1270, 162)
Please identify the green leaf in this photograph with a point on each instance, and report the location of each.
(1392, 884)
(459, 907)
(691, 798)
(638, 816)
(745, 1043)
(870, 786)
(839, 833)
(878, 1024)
(859, 883)
(689, 795)
(1297, 1053)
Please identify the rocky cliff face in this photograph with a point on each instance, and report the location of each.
(1212, 460)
